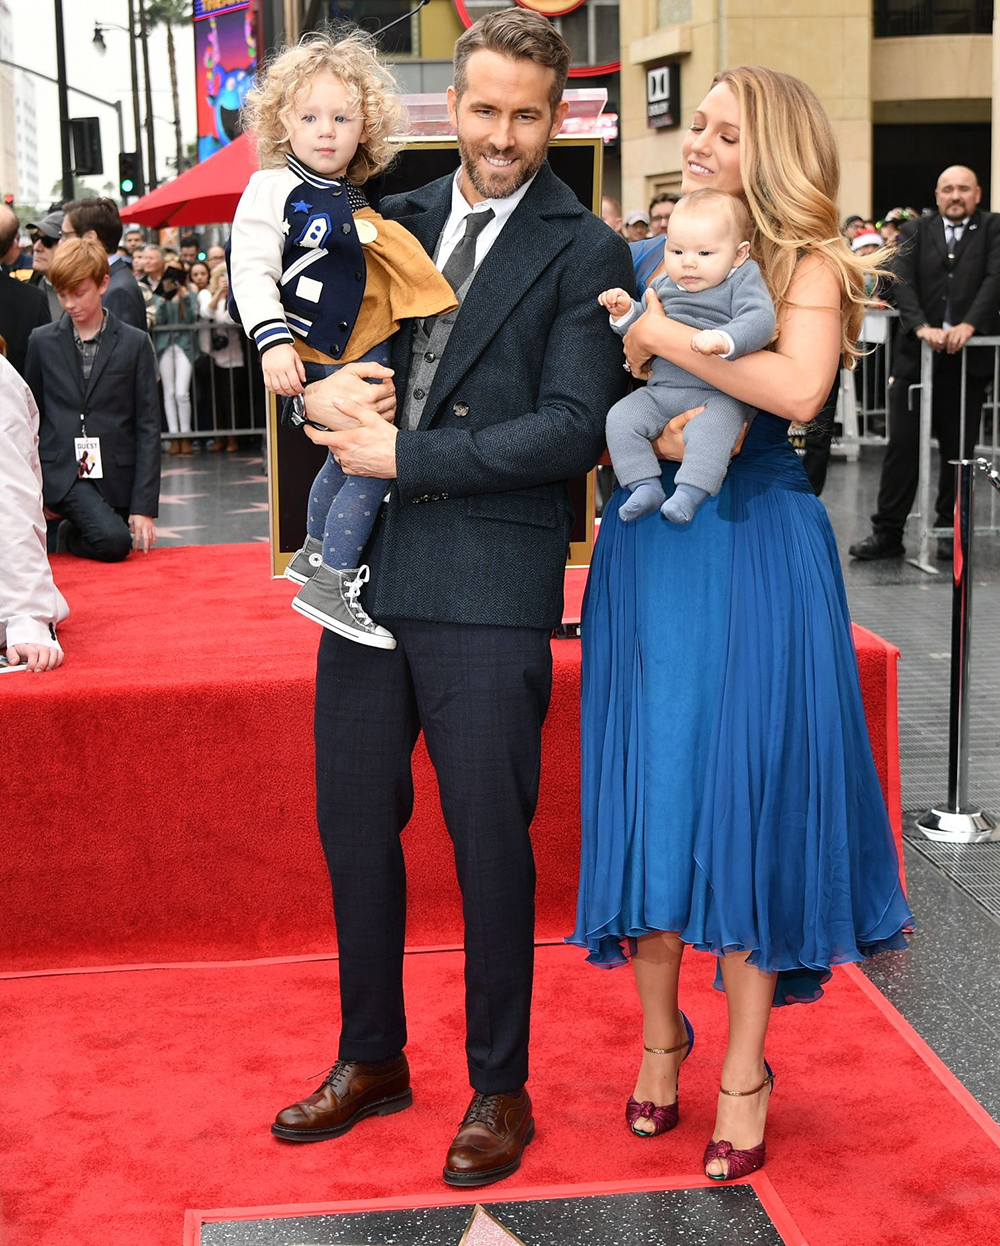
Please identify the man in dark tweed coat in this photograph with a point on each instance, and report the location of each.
(499, 404)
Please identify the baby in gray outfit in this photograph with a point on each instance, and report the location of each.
(712, 285)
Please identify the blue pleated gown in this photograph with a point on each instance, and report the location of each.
(728, 787)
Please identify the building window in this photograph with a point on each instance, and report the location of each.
(900, 18)
(401, 39)
(591, 31)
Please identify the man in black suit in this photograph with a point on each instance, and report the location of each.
(99, 220)
(948, 288)
(500, 403)
(94, 380)
(23, 307)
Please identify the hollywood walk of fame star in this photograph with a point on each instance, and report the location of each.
(485, 1230)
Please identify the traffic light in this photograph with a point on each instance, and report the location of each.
(129, 174)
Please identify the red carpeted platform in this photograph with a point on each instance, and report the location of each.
(131, 1097)
(158, 800)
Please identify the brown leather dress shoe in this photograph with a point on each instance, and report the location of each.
(351, 1092)
(489, 1142)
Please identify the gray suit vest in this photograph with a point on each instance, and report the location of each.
(427, 351)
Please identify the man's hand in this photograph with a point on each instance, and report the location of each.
(638, 350)
(670, 443)
(35, 657)
(327, 400)
(368, 450)
(616, 301)
(284, 372)
(956, 337)
(709, 342)
(933, 337)
(143, 532)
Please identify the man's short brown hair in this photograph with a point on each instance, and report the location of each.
(518, 35)
(100, 215)
(74, 261)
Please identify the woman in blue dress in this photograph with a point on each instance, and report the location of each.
(730, 801)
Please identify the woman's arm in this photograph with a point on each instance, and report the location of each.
(793, 380)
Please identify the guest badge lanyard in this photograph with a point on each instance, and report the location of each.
(88, 453)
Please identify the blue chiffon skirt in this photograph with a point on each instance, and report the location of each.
(728, 786)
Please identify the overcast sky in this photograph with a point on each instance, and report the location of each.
(107, 75)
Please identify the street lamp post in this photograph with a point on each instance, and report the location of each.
(130, 30)
(67, 158)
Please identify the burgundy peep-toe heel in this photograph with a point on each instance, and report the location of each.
(738, 1163)
(665, 1117)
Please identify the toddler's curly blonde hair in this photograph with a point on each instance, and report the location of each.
(351, 57)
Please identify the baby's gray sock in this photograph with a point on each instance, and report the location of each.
(646, 497)
(682, 503)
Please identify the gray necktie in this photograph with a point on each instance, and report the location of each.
(462, 261)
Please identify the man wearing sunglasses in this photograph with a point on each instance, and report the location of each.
(45, 236)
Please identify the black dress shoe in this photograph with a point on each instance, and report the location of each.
(352, 1091)
(878, 545)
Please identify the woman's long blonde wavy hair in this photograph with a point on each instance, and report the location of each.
(351, 56)
(791, 176)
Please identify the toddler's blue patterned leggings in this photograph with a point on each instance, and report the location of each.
(342, 509)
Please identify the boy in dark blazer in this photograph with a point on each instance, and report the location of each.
(947, 289)
(94, 378)
(99, 219)
(498, 406)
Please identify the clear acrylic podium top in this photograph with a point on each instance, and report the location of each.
(428, 114)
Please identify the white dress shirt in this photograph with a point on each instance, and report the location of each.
(30, 603)
(454, 226)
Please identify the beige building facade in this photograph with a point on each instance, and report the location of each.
(902, 98)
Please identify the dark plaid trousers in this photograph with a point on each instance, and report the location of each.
(480, 695)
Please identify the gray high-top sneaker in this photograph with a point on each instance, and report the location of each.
(333, 598)
(306, 562)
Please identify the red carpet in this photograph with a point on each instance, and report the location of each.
(158, 787)
(132, 1096)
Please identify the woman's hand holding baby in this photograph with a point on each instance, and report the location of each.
(616, 301)
(284, 372)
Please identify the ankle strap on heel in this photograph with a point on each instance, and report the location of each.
(741, 1094)
(666, 1051)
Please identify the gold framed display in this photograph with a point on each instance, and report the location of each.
(293, 460)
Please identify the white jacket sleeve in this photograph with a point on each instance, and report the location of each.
(30, 603)
(256, 245)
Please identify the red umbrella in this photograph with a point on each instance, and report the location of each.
(209, 191)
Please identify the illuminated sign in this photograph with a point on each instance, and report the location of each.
(663, 96)
(225, 48)
(212, 8)
(549, 8)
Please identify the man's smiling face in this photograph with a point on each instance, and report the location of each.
(504, 121)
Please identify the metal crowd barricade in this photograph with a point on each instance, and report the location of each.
(236, 407)
(987, 447)
(863, 401)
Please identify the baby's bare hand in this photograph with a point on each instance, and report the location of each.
(616, 301)
(709, 342)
